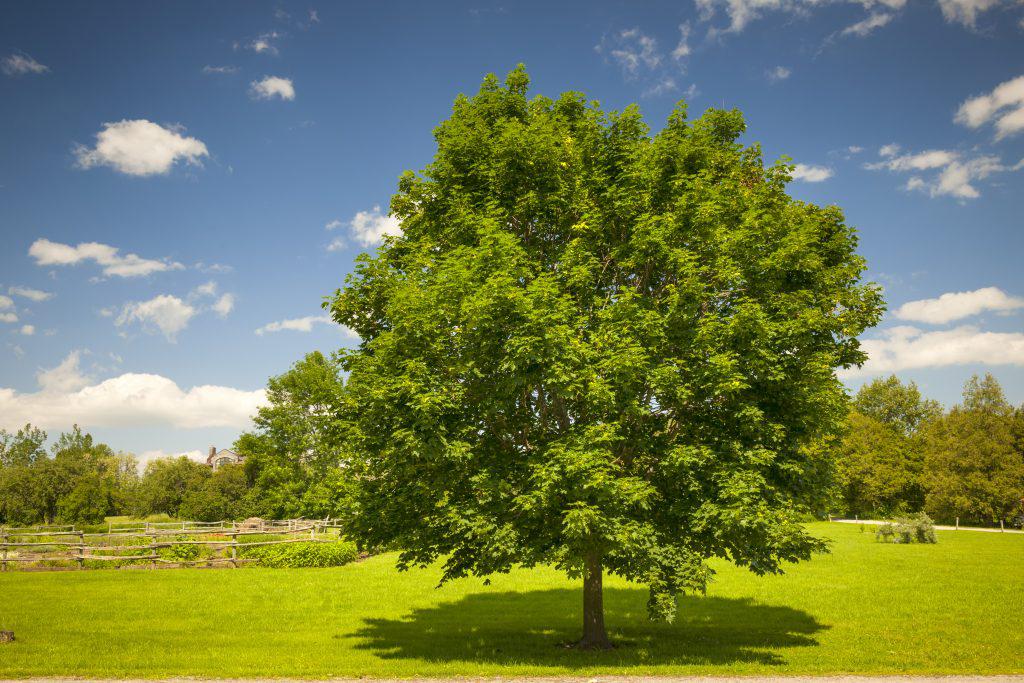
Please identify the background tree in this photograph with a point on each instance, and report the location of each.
(294, 454)
(898, 405)
(879, 459)
(167, 481)
(219, 497)
(973, 466)
(597, 349)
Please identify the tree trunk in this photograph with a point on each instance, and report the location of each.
(594, 635)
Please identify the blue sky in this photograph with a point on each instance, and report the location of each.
(181, 184)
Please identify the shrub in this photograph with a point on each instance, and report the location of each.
(917, 528)
(303, 554)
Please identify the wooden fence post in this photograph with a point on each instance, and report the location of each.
(81, 550)
(234, 551)
(152, 549)
(3, 543)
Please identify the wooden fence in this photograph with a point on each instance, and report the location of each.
(153, 544)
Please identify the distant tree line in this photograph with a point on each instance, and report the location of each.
(292, 467)
(901, 452)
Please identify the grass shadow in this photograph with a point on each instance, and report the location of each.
(528, 628)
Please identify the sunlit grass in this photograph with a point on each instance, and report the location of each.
(955, 607)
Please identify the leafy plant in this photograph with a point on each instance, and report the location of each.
(917, 528)
(303, 554)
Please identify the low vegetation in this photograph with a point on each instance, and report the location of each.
(865, 608)
(303, 555)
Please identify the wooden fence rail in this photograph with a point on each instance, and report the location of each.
(73, 548)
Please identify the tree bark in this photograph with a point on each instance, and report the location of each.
(594, 635)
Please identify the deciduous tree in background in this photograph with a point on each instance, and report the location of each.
(974, 469)
(294, 456)
(599, 349)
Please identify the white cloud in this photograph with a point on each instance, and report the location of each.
(8, 318)
(957, 305)
(907, 348)
(129, 400)
(224, 305)
(167, 313)
(273, 86)
(370, 227)
(854, 149)
(205, 289)
(21, 64)
(141, 148)
(295, 324)
(662, 86)
(682, 49)
(264, 43)
(890, 150)
(220, 69)
(333, 225)
(632, 50)
(742, 12)
(65, 377)
(930, 159)
(955, 175)
(6, 302)
(33, 294)
(1004, 105)
(778, 73)
(866, 26)
(965, 11)
(28, 330)
(811, 174)
(47, 253)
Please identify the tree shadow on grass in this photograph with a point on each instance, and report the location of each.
(532, 627)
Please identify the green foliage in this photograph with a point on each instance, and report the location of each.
(879, 468)
(219, 497)
(917, 528)
(303, 554)
(168, 481)
(82, 482)
(182, 552)
(973, 461)
(293, 456)
(895, 404)
(594, 342)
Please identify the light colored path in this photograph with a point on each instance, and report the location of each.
(575, 679)
(937, 526)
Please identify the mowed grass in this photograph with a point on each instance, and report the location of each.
(955, 607)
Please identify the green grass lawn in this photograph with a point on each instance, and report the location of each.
(955, 607)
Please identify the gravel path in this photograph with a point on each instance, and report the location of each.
(577, 679)
(937, 526)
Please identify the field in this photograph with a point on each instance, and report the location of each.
(955, 607)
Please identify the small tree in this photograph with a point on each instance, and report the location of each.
(598, 349)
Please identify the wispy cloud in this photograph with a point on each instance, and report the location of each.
(1004, 106)
(958, 305)
(115, 264)
(811, 174)
(21, 65)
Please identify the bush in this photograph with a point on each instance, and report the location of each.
(303, 554)
(917, 528)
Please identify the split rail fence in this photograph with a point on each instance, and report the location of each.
(153, 544)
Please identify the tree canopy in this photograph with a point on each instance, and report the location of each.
(597, 348)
